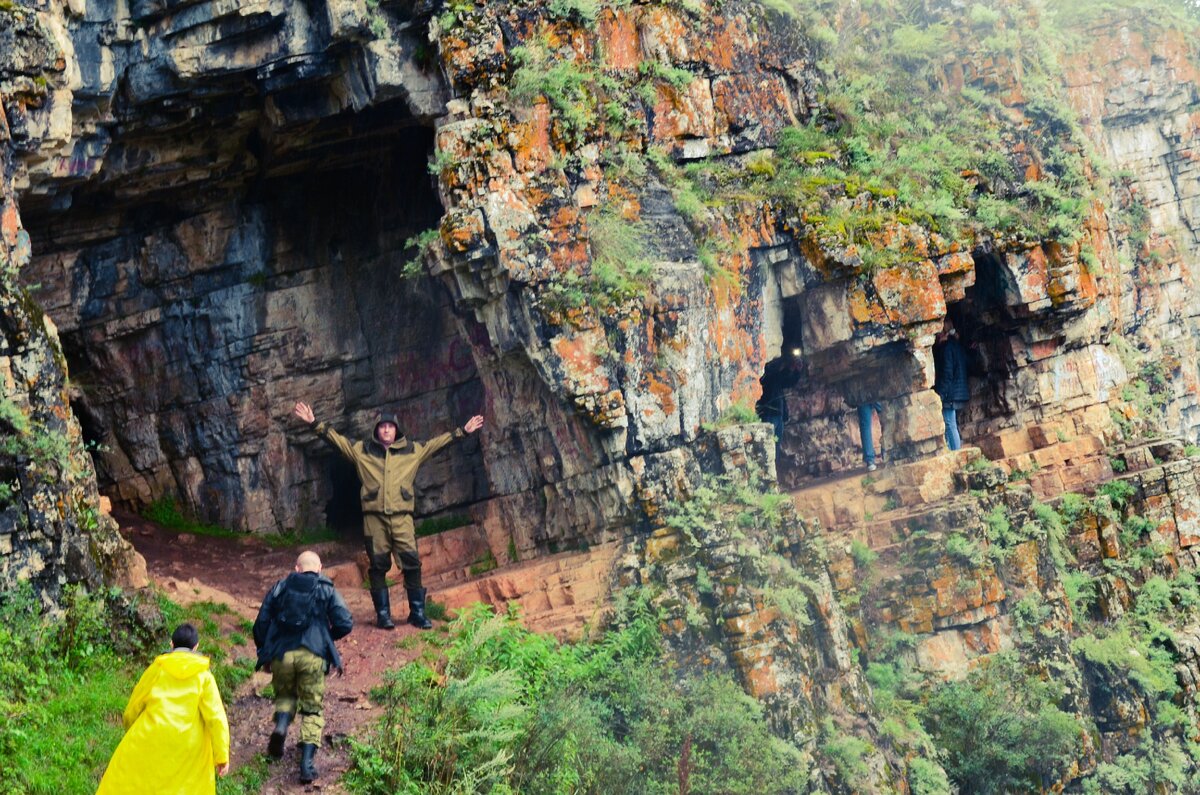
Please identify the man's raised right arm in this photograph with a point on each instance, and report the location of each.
(343, 445)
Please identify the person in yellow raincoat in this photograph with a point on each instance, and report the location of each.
(176, 732)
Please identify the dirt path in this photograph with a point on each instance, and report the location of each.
(238, 572)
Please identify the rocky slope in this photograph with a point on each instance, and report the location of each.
(637, 207)
(52, 531)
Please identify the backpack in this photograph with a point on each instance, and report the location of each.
(295, 609)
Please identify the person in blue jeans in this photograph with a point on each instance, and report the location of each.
(866, 432)
(950, 380)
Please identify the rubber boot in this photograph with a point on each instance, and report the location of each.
(275, 744)
(416, 609)
(308, 773)
(383, 608)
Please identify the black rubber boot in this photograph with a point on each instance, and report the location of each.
(308, 773)
(383, 608)
(416, 609)
(275, 744)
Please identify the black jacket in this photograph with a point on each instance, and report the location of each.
(331, 621)
(950, 365)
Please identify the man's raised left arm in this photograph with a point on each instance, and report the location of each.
(438, 442)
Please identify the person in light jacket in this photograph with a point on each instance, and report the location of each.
(176, 732)
(387, 465)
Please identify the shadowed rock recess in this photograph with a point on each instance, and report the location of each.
(603, 226)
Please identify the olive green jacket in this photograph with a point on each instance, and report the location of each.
(387, 475)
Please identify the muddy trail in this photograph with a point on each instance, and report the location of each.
(238, 572)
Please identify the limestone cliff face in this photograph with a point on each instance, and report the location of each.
(218, 201)
(52, 531)
(252, 165)
(1136, 90)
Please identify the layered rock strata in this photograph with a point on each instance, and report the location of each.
(218, 200)
(52, 530)
(272, 93)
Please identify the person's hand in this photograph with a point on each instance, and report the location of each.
(304, 412)
(222, 769)
(474, 424)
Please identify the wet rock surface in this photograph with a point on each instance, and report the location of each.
(215, 205)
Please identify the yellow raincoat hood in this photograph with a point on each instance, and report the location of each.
(176, 732)
(182, 664)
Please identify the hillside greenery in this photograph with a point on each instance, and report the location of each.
(65, 680)
(502, 710)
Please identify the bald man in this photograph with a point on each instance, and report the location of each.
(300, 618)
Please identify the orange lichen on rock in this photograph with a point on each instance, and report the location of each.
(531, 147)
(661, 387)
(10, 223)
(685, 112)
(462, 230)
(619, 41)
(742, 100)
(910, 293)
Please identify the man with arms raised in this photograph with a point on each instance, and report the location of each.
(387, 465)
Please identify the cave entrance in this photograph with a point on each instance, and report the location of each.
(343, 511)
(823, 432)
(836, 385)
(987, 327)
(812, 390)
(199, 313)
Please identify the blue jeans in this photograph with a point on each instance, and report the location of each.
(950, 416)
(777, 423)
(865, 431)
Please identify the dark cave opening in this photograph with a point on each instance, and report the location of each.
(824, 387)
(198, 315)
(988, 328)
(814, 398)
(343, 511)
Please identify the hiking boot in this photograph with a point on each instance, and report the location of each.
(383, 608)
(416, 609)
(308, 773)
(275, 744)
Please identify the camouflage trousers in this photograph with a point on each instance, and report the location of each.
(387, 537)
(299, 682)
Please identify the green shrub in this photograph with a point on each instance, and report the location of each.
(864, 557)
(584, 11)
(1119, 491)
(1123, 652)
(964, 550)
(167, 512)
(1081, 591)
(568, 87)
(927, 777)
(1053, 533)
(515, 712)
(440, 524)
(1001, 730)
(621, 265)
(737, 414)
(64, 682)
(847, 754)
(483, 564)
(248, 778)
(422, 244)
